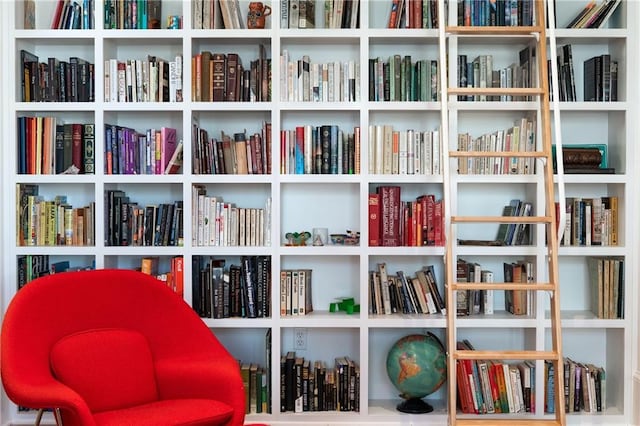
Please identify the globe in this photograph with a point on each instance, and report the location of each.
(417, 367)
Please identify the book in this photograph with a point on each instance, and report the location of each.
(175, 162)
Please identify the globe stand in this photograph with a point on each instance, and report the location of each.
(414, 406)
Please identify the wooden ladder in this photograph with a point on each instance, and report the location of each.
(543, 156)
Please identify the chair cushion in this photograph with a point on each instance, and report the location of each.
(170, 412)
(109, 368)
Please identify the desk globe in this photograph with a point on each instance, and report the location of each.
(417, 367)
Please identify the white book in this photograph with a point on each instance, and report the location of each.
(139, 95)
(372, 149)
(107, 81)
(402, 152)
(387, 149)
(419, 150)
(487, 277)
(435, 149)
(427, 159)
(379, 138)
(384, 287)
(510, 392)
(411, 151)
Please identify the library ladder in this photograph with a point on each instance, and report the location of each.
(543, 156)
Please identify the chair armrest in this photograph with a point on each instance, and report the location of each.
(51, 393)
(211, 378)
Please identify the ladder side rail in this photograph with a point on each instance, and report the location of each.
(446, 181)
(556, 119)
(552, 234)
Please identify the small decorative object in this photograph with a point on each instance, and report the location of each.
(351, 238)
(345, 304)
(417, 367)
(320, 236)
(257, 17)
(297, 238)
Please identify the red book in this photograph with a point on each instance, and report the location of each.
(438, 224)
(428, 230)
(178, 275)
(464, 388)
(374, 220)
(390, 215)
(417, 13)
(77, 147)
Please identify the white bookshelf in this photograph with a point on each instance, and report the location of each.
(339, 202)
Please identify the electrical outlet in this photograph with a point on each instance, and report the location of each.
(300, 338)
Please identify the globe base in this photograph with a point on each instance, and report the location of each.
(414, 406)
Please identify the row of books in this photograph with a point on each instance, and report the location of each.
(606, 278)
(54, 222)
(150, 152)
(594, 15)
(590, 221)
(32, 266)
(217, 223)
(314, 386)
(400, 78)
(173, 278)
(132, 15)
(56, 80)
(521, 137)
(71, 15)
(400, 293)
(480, 73)
(585, 387)
(600, 77)
(512, 234)
(476, 302)
(336, 14)
(296, 292)
(46, 145)
(143, 80)
(302, 80)
(480, 13)
(413, 14)
(324, 149)
(255, 379)
(130, 224)
(490, 386)
(394, 223)
(404, 152)
(222, 77)
(237, 154)
(237, 290)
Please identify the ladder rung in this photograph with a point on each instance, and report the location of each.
(534, 154)
(504, 286)
(501, 219)
(493, 30)
(513, 91)
(506, 355)
(510, 421)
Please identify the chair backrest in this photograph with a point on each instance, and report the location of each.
(51, 308)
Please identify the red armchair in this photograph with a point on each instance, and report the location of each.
(116, 347)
